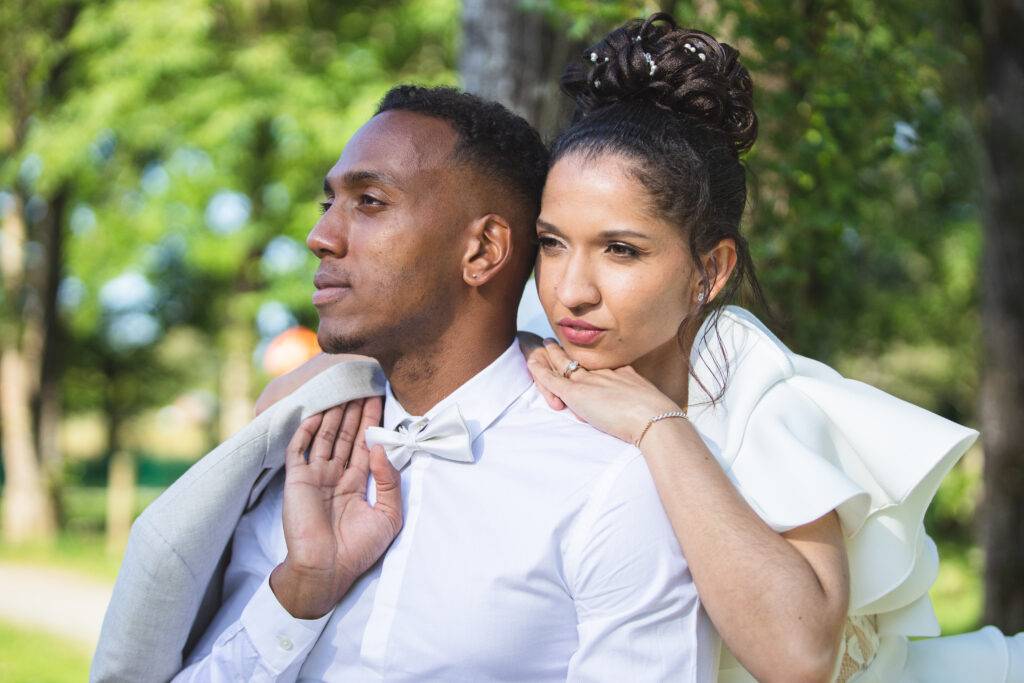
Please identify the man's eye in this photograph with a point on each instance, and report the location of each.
(324, 206)
(370, 200)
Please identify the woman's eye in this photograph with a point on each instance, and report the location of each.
(620, 249)
(324, 206)
(547, 243)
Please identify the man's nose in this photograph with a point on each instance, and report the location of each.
(577, 288)
(329, 237)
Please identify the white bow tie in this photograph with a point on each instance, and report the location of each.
(444, 435)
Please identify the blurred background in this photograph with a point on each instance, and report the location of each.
(161, 164)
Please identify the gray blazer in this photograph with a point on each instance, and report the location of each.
(168, 588)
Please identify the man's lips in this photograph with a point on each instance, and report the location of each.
(329, 289)
(580, 332)
(326, 295)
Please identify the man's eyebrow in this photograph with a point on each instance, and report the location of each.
(358, 178)
(353, 178)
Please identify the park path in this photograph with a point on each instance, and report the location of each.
(54, 600)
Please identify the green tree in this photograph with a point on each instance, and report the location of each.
(34, 61)
(194, 143)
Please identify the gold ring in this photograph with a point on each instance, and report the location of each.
(572, 367)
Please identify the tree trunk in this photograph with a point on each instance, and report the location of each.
(48, 394)
(27, 511)
(121, 478)
(121, 468)
(1002, 406)
(236, 371)
(516, 57)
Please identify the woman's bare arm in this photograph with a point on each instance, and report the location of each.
(778, 601)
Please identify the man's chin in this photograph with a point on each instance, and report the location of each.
(331, 341)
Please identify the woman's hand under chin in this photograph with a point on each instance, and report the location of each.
(618, 402)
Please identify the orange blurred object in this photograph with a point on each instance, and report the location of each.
(289, 350)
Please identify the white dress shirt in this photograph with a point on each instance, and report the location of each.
(549, 558)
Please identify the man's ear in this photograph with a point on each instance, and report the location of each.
(488, 251)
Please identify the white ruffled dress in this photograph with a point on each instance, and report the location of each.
(799, 440)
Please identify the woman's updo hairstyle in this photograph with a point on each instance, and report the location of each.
(681, 70)
(679, 105)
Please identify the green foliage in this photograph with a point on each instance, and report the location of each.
(958, 593)
(192, 138)
(863, 217)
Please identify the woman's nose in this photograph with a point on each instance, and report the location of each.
(577, 288)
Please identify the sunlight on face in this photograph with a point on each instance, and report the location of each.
(614, 279)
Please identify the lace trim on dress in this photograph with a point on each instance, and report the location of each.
(858, 647)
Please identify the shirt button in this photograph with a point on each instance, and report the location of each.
(284, 642)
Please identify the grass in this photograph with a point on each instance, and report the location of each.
(28, 656)
(78, 552)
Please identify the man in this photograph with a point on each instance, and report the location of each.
(534, 547)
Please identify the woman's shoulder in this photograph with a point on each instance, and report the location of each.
(735, 361)
(798, 439)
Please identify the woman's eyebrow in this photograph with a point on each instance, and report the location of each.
(616, 234)
(544, 225)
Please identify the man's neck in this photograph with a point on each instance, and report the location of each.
(420, 378)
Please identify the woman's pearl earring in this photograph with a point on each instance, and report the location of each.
(700, 297)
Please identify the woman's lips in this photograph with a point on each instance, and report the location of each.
(326, 295)
(580, 333)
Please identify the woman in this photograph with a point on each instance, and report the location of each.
(797, 496)
(821, 569)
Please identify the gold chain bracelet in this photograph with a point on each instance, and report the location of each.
(657, 418)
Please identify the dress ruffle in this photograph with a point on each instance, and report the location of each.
(799, 440)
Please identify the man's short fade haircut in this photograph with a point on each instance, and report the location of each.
(497, 142)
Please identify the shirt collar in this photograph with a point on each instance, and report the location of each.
(481, 400)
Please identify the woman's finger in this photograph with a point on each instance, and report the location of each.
(323, 444)
(348, 433)
(557, 356)
(552, 400)
(537, 367)
(530, 344)
(295, 453)
(552, 382)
